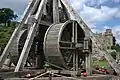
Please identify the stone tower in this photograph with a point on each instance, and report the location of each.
(106, 40)
(108, 37)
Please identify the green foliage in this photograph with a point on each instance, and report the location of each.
(113, 47)
(5, 33)
(7, 15)
(117, 48)
(101, 63)
(114, 40)
(113, 54)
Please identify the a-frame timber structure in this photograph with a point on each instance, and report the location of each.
(52, 33)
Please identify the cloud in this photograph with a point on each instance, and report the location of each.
(92, 15)
(95, 3)
(78, 5)
(116, 1)
(105, 13)
(116, 31)
(87, 9)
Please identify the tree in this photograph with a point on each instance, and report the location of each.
(114, 40)
(7, 15)
(113, 54)
(117, 47)
(2, 17)
(5, 34)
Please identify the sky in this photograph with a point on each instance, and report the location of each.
(98, 14)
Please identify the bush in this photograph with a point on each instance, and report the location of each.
(113, 54)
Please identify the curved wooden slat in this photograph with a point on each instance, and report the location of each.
(52, 43)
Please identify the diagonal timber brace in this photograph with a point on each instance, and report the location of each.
(30, 37)
(89, 33)
(40, 5)
(16, 32)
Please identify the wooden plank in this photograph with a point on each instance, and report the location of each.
(67, 48)
(51, 47)
(30, 37)
(73, 40)
(35, 6)
(55, 11)
(89, 33)
(88, 63)
(20, 74)
(15, 33)
(59, 74)
(66, 42)
(76, 41)
(87, 56)
(71, 78)
(55, 66)
(46, 23)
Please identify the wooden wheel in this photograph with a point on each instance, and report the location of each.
(36, 53)
(60, 43)
(21, 42)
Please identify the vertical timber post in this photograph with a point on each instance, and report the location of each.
(88, 63)
(98, 45)
(75, 47)
(73, 40)
(87, 52)
(55, 11)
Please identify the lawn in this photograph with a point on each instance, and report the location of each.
(102, 63)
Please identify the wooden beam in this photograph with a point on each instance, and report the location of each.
(46, 23)
(20, 74)
(30, 37)
(96, 77)
(101, 49)
(65, 10)
(76, 38)
(66, 42)
(73, 40)
(35, 6)
(55, 11)
(55, 66)
(67, 48)
(15, 33)
(88, 63)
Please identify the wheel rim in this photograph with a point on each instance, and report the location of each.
(59, 43)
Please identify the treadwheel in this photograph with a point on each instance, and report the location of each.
(60, 43)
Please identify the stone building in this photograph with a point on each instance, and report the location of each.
(106, 39)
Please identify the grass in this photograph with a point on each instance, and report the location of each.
(102, 63)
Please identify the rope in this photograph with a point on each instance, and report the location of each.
(66, 77)
(50, 72)
(39, 76)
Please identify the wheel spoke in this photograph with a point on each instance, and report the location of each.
(62, 47)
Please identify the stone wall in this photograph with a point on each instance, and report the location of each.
(106, 38)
